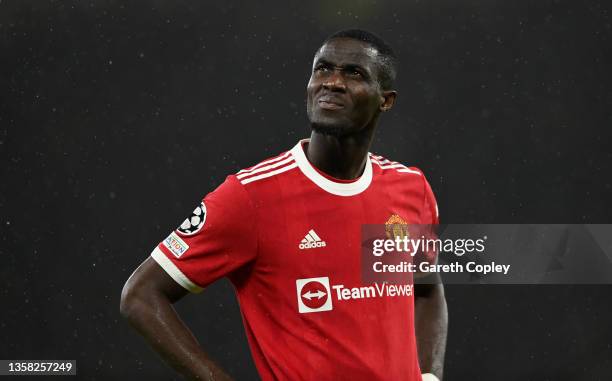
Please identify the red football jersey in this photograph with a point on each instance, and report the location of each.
(288, 238)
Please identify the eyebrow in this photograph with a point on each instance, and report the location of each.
(347, 66)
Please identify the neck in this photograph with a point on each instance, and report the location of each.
(343, 157)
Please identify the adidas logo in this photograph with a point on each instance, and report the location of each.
(311, 241)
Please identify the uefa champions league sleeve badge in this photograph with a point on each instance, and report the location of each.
(195, 222)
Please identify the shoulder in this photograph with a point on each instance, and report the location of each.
(398, 174)
(240, 195)
(267, 169)
(408, 178)
(390, 167)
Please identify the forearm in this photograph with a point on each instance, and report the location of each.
(157, 321)
(431, 317)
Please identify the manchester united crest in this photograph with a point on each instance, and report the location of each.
(396, 227)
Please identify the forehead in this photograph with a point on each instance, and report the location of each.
(345, 51)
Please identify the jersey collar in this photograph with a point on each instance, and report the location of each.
(333, 187)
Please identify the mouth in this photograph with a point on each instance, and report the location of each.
(327, 102)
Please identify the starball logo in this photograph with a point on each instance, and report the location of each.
(316, 295)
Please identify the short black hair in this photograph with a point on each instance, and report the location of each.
(387, 59)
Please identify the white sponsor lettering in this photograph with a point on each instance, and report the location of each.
(311, 245)
(378, 290)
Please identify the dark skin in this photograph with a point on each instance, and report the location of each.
(146, 302)
(344, 101)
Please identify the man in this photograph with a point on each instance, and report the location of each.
(286, 232)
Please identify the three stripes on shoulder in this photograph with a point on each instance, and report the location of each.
(267, 168)
(286, 162)
(388, 164)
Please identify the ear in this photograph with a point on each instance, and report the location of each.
(387, 100)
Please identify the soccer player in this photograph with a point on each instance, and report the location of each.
(286, 233)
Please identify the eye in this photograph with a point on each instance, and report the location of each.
(353, 72)
(321, 68)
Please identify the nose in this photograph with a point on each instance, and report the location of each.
(334, 82)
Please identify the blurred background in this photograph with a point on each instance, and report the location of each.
(116, 118)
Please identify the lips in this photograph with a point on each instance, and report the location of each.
(328, 102)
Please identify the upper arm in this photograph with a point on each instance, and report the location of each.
(150, 279)
(429, 211)
(427, 228)
(428, 285)
(149, 283)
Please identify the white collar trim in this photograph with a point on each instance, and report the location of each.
(339, 189)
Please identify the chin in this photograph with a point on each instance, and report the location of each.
(332, 129)
(331, 126)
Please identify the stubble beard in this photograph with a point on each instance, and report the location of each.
(329, 130)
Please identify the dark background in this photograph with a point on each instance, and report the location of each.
(117, 117)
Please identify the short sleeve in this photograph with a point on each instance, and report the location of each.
(429, 218)
(429, 214)
(219, 237)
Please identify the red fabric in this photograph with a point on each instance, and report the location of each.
(252, 234)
